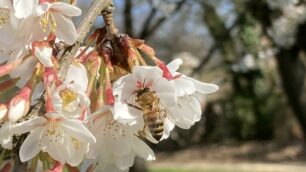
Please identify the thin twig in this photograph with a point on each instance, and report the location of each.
(95, 10)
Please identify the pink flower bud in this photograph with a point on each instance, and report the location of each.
(43, 52)
(19, 105)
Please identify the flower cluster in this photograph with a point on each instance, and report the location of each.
(97, 114)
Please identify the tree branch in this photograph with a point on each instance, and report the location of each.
(95, 9)
(147, 30)
(128, 19)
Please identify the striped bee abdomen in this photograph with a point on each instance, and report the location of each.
(155, 123)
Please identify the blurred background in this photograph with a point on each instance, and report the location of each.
(255, 51)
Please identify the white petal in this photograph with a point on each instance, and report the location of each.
(174, 65)
(183, 86)
(124, 87)
(37, 93)
(28, 125)
(31, 146)
(77, 130)
(76, 152)
(109, 168)
(125, 114)
(24, 9)
(44, 55)
(24, 71)
(168, 127)
(203, 87)
(143, 150)
(66, 9)
(43, 8)
(6, 135)
(165, 91)
(78, 75)
(126, 161)
(65, 28)
(187, 112)
(147, 74)
(57, 149)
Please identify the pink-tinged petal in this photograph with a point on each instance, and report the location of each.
(29, 125)
(31, 146)
(65, 29)
(44, 55)
(143, 150)
(77, 130)
(17, 111)
(24, 9)
(77, 74)
(19, 105)
(202, 87)
(126, 114)
(146, 74)
(125, 87)
(58, 167)
(174, 65)
(66, 9)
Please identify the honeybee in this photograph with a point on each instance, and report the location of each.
(154, 112)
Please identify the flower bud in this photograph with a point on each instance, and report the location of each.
(43, 52)
(19, 105)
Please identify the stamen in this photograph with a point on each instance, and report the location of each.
(68, 96)
(48, 21)
(4, 16)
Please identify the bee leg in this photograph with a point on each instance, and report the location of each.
(142, 132)
(134, 106)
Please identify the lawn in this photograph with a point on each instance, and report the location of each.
(177, 170)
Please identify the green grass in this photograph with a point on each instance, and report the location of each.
(177, 170)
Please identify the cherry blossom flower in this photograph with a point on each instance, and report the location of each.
(117, 144)
(188, 108)
(128, 111)
(65, 140)
(50, 16)
(70, 98)
(35, 19)
(19, 105)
